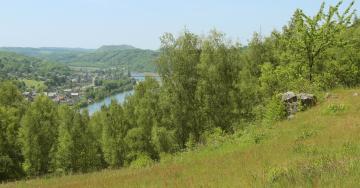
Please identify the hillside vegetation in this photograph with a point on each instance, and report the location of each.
(318, 148)
(106, 56)
(17, 66)
(126, 56)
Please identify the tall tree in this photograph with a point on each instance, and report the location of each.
(177, 66)
(12, 108)
(10, 154)
(65, 146)
(218, 72)
(38, 134)
(114, 130)
(145, 116)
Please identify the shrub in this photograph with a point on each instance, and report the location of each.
(142, 161)
(215, 137)
(274, 111)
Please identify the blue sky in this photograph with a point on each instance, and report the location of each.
(92, 23)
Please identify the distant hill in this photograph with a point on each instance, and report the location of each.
(39, 52)
(13, 65)
(115, 47)
(127, 56)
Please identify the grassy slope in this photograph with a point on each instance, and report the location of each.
(315, 149)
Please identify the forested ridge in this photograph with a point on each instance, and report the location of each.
(208, 85)
(129, 57)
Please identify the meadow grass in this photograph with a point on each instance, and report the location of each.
(317, 148)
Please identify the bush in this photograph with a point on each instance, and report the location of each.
(142, 161)
(215, 137)
(274, 111)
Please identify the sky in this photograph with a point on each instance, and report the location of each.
(93, 23)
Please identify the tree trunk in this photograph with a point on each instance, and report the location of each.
(311, 63)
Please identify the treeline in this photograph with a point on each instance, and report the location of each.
(208, 84)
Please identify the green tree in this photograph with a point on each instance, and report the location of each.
(10, 95)
(114, 130)
(218, 72)
(177, 66)
(77, 149)
(310, 37)
(10, 154)
(65, 145)
(143, 110)
(12, 108)
(38, 134)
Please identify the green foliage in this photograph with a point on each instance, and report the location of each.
(177, 67)
(142, 161)
(76, 150)
(107, 88)
(10, 154)
(10, 96)
(38, 134)
(163, 140)
(12, 108)
(138, 144)
(132, 58)
(218, 70)
(215, 137)
(308, 38)
(306, 55)
(15, 66)
(207, 85)
(274, 110)
(143, 113)
(114, 130)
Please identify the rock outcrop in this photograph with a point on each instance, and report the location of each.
(297, 102)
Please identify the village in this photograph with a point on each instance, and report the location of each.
(67, 96)
(71, 88)
(79, 86)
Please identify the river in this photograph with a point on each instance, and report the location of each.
(120, 98)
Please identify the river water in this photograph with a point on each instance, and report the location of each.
(120, 98)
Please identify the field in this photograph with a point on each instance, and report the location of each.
(317, 148)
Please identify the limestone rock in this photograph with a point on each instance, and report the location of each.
(289, 97)
(293, 102)
(307, 100)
